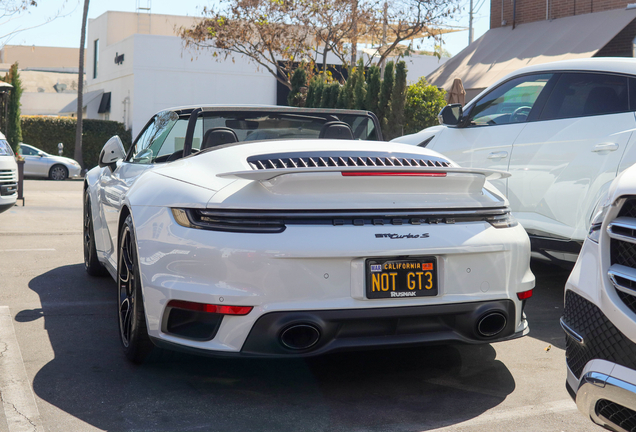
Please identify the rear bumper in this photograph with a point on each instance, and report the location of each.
(364, 329)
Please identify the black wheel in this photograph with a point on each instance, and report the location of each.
(132, 320)
(91, 263)
(58, 172)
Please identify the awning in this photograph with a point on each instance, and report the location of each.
(88, 98)
(104, 104)
(5, 87)
(503, 50)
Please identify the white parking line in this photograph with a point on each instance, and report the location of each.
(28, 250)
(18, 400)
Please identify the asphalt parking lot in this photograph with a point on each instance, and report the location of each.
(61, 367)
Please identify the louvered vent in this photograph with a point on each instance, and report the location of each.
(342, 159)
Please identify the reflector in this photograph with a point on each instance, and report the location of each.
(524, 295)
(210, 308)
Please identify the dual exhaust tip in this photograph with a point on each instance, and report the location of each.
(303, 336)
(491, 324)
(300, 336)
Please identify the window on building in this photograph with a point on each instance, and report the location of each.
(95, 57)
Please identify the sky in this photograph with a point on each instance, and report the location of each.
(58, 22)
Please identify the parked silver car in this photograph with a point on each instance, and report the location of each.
(41, 164)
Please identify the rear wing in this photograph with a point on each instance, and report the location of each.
(268, 174)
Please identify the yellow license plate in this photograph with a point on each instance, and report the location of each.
(401, 278)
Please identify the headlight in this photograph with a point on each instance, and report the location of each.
(596, 221)
(504, 221)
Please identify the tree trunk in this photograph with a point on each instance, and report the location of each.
(80, 91)
(354, 33)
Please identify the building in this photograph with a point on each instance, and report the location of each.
(48, 74)
(137, 66)
(530, 32)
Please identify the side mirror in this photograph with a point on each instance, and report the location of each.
(41, 154)
(112, 152)
(450, 115)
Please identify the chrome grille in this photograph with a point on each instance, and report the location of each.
(622, 272)
(8, 176)
(617, 414)
(344, 159)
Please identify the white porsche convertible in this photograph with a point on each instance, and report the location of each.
(280, 232)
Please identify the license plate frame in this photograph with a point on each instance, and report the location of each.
(402, 277)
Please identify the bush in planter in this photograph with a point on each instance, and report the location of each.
(46, 132)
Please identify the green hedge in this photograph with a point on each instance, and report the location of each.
(46, 132)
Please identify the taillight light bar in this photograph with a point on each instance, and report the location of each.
(391, 174)
(210, 308)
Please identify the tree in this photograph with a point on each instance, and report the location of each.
(333, 24)
(401, 20)
(423, 103)
(14, 129)
(9, 10)
(268, 32)
(77, 155)
(277, 34)
(395, 123)
(373, 89)
(385, 93)
(298, 81)
(359, 90)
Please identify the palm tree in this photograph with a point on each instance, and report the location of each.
(80, 91)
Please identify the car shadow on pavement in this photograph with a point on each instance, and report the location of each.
(545, 307)
(388, 390)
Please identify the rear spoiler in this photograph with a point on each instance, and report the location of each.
(268, 174)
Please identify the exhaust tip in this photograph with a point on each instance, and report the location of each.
(491, 324)
(300, 336)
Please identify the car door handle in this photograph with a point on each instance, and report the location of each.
(605, 147)
(498, 155)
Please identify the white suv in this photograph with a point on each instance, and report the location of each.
(8, 176)
(563, 130)
(599, 317)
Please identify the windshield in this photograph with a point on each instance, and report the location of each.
(5, 149)
(164, 137)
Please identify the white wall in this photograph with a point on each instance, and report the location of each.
(34, 103)
(421, 65)
(167, 76)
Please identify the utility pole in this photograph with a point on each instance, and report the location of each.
(470, 23)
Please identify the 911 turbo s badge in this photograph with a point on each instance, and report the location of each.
(398, 236)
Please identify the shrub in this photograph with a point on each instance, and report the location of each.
(13, 132)
(46, 132)
(423, 103)
(394, 126)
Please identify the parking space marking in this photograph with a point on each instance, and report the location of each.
(18, 400)
(495, 416)
(28, 250)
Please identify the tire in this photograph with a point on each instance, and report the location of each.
(58, 172)
(133, 332)
(91, 264)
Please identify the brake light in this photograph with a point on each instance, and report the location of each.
(210, 308)
(391, 173)
(524, 295)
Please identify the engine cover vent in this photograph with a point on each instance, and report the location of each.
(302, 160)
